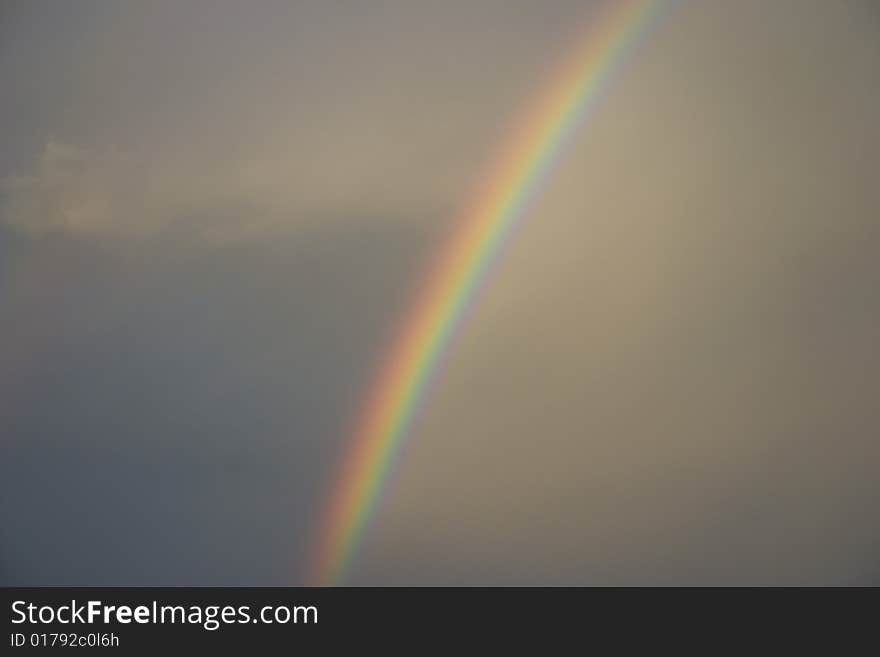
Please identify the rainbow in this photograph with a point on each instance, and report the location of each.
(460, 270)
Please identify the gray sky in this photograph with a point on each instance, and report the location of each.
(212, 215)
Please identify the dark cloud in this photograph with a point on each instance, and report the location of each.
(177, 411)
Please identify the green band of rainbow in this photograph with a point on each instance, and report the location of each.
(458, 273)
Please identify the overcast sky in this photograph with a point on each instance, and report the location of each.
(213, 215)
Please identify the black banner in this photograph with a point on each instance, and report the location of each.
(126, 620)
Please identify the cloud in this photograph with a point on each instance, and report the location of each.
(70, 191)
(172, 417)
(111, 194)
(116, 194)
